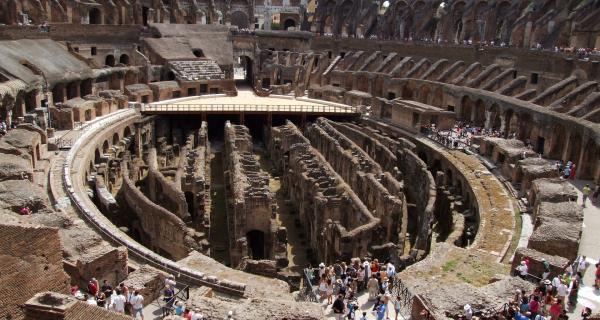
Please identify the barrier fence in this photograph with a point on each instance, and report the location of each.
(290, 108)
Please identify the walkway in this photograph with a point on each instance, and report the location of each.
(588, 246)
(247, 102)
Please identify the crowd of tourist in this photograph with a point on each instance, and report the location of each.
(551, 299)
(340, 284)
(120, 299)
(581, 53)
(459, 136)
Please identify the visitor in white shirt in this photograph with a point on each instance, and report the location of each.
(118, 302)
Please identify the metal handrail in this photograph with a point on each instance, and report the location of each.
(308, 292)
(220, 107)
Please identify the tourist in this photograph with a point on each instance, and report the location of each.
(107, 289)
(338, 307)
(522, 270)
(117, 303)
(373, 287)
(586, 193)
(381, 311)
(468, 312)
(556, 309)
(586, 313)
(364, 316)
(546, 266)
(561, 291)
(534, 306)
(329, 291)
(563, 315)
(25, 211)
(137, 301)
(169, 298)
(321, 270)
(179, 308)
(93, 287)
(3, 127)
(572, 171)
(397, 305)
(574, 289)
(101, 299)
(170, 282)
(323, 286)
(127, 295)
(596, 193)
(360, 278)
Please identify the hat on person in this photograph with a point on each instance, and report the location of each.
(523, 263)
(467, 307)
(321, 265)
(543, 259)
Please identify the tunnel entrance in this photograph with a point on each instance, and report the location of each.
(256, 244)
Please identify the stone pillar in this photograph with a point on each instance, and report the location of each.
(488, 118)
(502, 122)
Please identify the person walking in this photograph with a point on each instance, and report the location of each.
(117, 303)
(137, 302)
(373, 287)
(586, 193)
(338, 307)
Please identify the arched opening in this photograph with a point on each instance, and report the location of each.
(126, 132)
(466, 109)
(289, 23)
(256, 244)
(58, 93)
(145, 11)
(115, 138)
(110, 60)
(573, 148)
(239, 19)
(198, 53)
(124, 59)
(495, 120)
(423, 156)
(189, 199)
(590, 161)
(105, 147)
(243, 70)
(86, 87)
(95, 16)
(72, 90)
(557, 142)
(97, 156)
(479, 116)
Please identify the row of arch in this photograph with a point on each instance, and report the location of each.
(104, 148)
(550, 136)
(110, 60)
(446, 21)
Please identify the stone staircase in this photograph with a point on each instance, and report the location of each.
(195, 70)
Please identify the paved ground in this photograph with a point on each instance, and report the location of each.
(246, 101)
(590, 239)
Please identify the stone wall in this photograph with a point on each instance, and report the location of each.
(250, 204)
(365, 177)
(164, 229)
(30, 262)
(338, 225)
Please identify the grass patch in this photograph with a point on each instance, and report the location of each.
(449, 266)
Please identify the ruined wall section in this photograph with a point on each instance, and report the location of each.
(251, 206)
(164, 230)
(164, 192)
(195, 177)
(364, 176)
(338, 225)
(412, 171)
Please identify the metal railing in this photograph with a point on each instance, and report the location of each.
(401, 292)
(167, 308)
(307, 290)
(291, 108)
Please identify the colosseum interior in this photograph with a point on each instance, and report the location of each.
(234, 146)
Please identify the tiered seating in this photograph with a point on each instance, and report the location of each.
(195, 70)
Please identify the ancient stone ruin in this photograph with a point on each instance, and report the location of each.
(233, 147)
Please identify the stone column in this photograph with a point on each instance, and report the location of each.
(488, 118)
